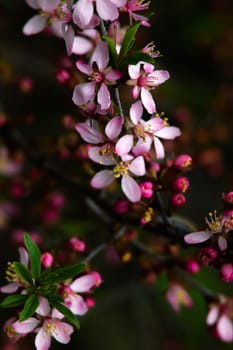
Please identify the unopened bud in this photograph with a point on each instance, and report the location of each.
(183, 162)
(47, 259)
(178, 200)
(181, 184)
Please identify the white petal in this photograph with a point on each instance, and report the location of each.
(148, 101)
(137, 166)
(212, 315)
(101, 56)
(225, 329)
(197, 237)
(83, 284)
(124, 145)
(26, 326)
(114, 127)
(134, 71)
(105, 159)
(102, 179)
(130, 188)
(168, 132)
(34, 25)
(135, 112)
(42, 340)
(159, 149)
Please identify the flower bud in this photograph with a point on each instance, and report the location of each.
(90, 302)
(181, 184)
(77, 245)
(192, 266)
(228, 198)
(62, 76)
(227, 272)
(121, 207)
(147, 189)
(207, 255)
(178, 200)
(47, 259)
(183, 162)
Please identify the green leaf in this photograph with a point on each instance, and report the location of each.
(65, 311)
(23, 273)
(34, 255)
(62, 274)
(135, 57)
(13, 300)
(128, 40)
(112, 49)
(29, 308)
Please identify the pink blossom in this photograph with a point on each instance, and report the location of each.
(177, 296)
(144, 80)
(133, 6)
(106, 9)
(150, 131)
(85, 92)
(218, 316)
(217, 226)
(123, 169)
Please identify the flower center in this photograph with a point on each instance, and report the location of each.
(97, 77)
(214, 222)
(120, 169)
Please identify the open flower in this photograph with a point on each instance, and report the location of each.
(144, 80)
(85, 92)
(218, 227)
(150, 131)
(133, 6)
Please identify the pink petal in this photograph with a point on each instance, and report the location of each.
(148, 101)
(142, 146)
(94, 154)
(222, 243)
(9, 288)
(114, 127)
(44, 307)
(113, 75)
(89, 134)
(84, 67)
(83, 93)
(106, 10)
(154, 124)
(130, 188)
(68, 33)
(83, 284)
(82, 13)
(134, 71)
(81, 46)
(168, 132)
(135, 91)
(135, 112)
(23, 256)
(137, 166)
(103, 97)
(197, 237)
(119, 3)
(124, 145)
(160, 76)
(159, 149)
(33, 3)
(212, 315)
(43, 339)
(225, 329)
(76, 304)
(25, 327)
(34, 25)
(61, 332)
(101, 56)
(49, 6)
(148, 68)
(102, 179)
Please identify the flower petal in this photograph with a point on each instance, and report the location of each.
(134, 71)
(88, 133)
(49, 6)
(44, 307)
(33, 3)
(102, 179)
(148, 101)
(137, 166)
(100, 56)
(83, 284)
(114, 127)
(23, 256)
(222, 243)
(159, 149)
(34, 25)
(9, 288)
(61, 332)
(212, 315)
(81, 45)
(124, 145)
(83, 93)
(76, 304)
(82, 13)
(26, 326)
(43, 340)
(95, 154)
(106, 10)
(142, 146)
(103, 97)
(68, 33)
(135, 112)
(168, 132)
(113, 75)
(225, 329)
(130, 188)
(197, 237)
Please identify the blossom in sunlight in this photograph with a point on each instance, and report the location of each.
(218, 226)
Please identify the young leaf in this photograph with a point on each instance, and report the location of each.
(112, 49)
(13, 300)
(34, 255)
(23, 273)
(29, 307)
(128, 40)
(65, 311)
(62, 274)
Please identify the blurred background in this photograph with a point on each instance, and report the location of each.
(195, 39)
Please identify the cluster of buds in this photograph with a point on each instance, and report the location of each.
(45, 296)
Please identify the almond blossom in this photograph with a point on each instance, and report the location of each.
(85, 92)
(150, 131)
(144, 79)
(137, 5)
(218, 227)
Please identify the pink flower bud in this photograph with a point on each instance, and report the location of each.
(147, 189)
(228, 198)
(57, 200)
(90, 302)
(227, 272)
(183, 162)
(62, 76)
(192, 266)
(121, 207)
(208, 255)
(178, 200)
(77, 245)
(155, 167)
(181, 184)
(47, 259)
